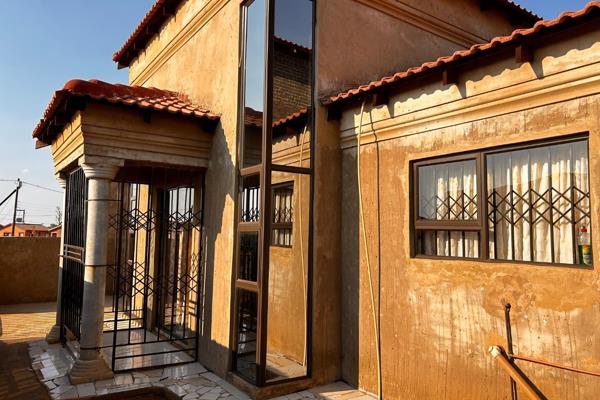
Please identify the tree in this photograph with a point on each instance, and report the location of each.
(58, 215)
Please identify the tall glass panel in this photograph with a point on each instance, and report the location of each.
(274, 201)
(291, 66)
(254, 81)
(288, 277)
(288, 264)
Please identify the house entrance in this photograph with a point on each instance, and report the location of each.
(73, 253)
(151, 314)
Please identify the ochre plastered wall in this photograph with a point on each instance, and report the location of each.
(349, 29)
(28, 269)
(438, 317)
(196, 53)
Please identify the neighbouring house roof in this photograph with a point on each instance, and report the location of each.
(564, 20)
(62, 105)
(55, 228)
(254, 118)
(28, 227)
(162, 10)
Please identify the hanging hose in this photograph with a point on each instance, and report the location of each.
(368, 259)
(302, 239)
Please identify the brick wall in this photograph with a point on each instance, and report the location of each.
(291, 79)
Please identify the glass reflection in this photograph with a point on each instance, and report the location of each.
(288, 277)
(246, 334)
(254, 81)
(292, 63)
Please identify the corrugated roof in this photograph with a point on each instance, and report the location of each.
(162, 10)
(129, 96)
(475, 50)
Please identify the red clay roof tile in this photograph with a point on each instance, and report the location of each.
(130, 96)
(476, 50)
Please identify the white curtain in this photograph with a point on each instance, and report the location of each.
(449, 192)
(534, 195)
(538, 201)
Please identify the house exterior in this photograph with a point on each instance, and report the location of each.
(25, 230)
(55, 231)
(219, 204)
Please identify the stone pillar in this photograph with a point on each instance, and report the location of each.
(91, 366)
(53, 335)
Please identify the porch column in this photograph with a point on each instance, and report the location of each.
(91, 366)
(53, 335)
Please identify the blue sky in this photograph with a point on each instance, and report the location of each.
(43, 44)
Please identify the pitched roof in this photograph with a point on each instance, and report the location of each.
(162, 10)
(129, 96)
(474, 51)
(33, 227)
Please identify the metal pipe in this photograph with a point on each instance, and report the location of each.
(509, 342)
(14, 221)
(554, 365)
(498, 354)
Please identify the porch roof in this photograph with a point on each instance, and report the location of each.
(76, 92)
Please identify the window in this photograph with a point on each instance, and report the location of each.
(536, 202)
(283, 215)
(6, 234)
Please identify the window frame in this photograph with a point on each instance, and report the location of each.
(481, 225)
(282, 225)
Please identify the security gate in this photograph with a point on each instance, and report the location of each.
(153, 286)
(73, 256)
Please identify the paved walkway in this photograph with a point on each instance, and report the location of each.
(19, 325)
(24, 353)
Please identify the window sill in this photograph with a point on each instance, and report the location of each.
(505, 262)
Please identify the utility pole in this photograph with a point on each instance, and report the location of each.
(19, 184)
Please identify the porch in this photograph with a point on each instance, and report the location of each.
(33, 369)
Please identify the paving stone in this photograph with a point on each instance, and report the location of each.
(70, 394)
(209, 396)
(104, 384)
(188, 387)
(184, 370)
(62, 380)
(61, 389)
(145, 379)
(49, 373)
(123, 379)
(190, 396)
(177, 390)
(211, 377)
(216, 390)
(86, 389)
(50, 385)
(203, 390)
(237, 393)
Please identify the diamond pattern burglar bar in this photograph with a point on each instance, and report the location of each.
(153, 316)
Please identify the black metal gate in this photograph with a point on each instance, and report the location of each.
(73, 255)
(152, 319)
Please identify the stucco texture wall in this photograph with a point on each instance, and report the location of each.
(438, 317)
(28, 269)
(196, 53)
(348, 30)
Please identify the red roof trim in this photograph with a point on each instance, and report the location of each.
(476, 50)
(124, 95)
(158, 14)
